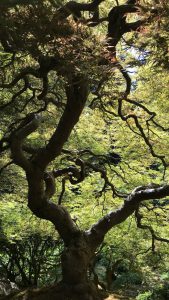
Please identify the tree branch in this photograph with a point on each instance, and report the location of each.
(97, 232)
(139, 218)
(141, 130)
(16, 141)
(75, 8)
(77, 93)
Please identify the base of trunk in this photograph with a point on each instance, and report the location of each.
(61, 291)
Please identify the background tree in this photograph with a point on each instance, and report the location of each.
(52, 68)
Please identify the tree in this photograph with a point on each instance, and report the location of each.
(30, 261)
(51, 67)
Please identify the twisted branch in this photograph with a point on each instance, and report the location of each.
(17, 138)
(139, 218)
(97, 232)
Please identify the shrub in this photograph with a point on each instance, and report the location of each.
(145, 296)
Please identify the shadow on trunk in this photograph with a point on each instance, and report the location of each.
(61, 291)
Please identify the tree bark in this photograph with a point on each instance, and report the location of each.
(75, 283)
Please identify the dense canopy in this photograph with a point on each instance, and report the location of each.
(84, 131)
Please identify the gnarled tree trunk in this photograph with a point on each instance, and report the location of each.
(75, 284)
